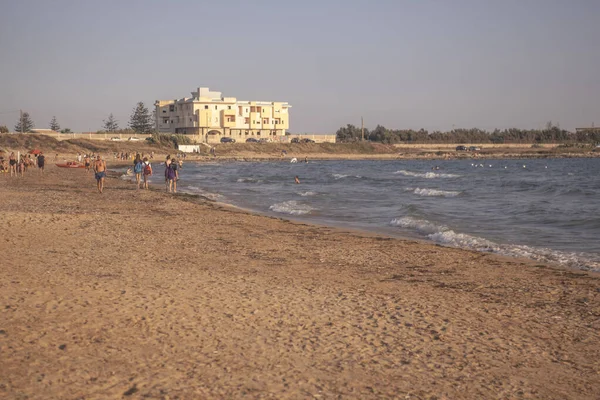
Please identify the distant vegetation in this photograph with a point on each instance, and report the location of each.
(551, 134)
(169, 140)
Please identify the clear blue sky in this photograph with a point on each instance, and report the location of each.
(403, 64)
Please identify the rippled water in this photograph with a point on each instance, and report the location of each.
(547, 210)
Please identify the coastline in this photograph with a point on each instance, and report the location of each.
(153, 294)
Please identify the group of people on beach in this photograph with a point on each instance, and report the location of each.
(142, 169)
(17, 166)
(172, 173)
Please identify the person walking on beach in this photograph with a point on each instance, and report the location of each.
(138, 168)
(12, 164)
(21, 166)
(87, 163)
(40, 162)
(172, 174)
(100, 171)
(147, 172)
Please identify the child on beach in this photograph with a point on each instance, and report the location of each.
(172, 175)
(147, 172)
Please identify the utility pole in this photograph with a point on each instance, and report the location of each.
(362, 128)
(21, 111)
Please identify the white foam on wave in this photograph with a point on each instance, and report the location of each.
(420, 225)
(249, 180)
(435, 192)
(305, 194)
(428, 175)
(339, 176)
(291, 207)
(447, 237)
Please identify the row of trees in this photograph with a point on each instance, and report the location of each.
(141, 121)
(551, 134)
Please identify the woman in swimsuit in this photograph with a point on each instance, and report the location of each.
(12, 164)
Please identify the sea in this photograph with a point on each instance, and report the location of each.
(546, 210)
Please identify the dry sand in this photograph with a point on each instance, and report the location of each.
(141, 294)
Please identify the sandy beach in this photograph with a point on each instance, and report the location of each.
(143, 294)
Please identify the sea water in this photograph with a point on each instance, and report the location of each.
(545, 209)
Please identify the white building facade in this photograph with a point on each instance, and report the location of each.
(208, 117)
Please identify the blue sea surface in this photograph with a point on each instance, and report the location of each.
(544, 209)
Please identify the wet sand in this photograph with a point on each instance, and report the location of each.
(142, 294)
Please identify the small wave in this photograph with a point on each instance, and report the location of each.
(419, 225)
(201, 192)
(339, 176)
(305, 194)
(291, 207)
(249, 180)
(428, 175)
(447, 237)
(435, 192)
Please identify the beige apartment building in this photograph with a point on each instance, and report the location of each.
(209, 117)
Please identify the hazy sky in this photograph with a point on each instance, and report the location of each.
(403, 64)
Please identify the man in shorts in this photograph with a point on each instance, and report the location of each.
(100, 170)
(40, 162)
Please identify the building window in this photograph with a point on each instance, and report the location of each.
(266, 121)
(246, 120)
(171, 108)
(246, 132)
(206, 107)
(164, 111)
(229, 107)
(171, 121)
(215, 107)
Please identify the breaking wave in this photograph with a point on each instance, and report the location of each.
(305, 194)
(428, 175)
(291, 207)
(443, 235)
(435, 192)
(249, 180)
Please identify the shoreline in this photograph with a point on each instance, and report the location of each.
(503, 249)
(147, 294)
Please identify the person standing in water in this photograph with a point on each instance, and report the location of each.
(172, 175)
(100, 171)
(296, 179)
(167, 165)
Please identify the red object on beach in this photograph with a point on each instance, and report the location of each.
(71, 164)
(35, 151)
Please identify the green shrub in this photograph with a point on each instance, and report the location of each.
(169, 140)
